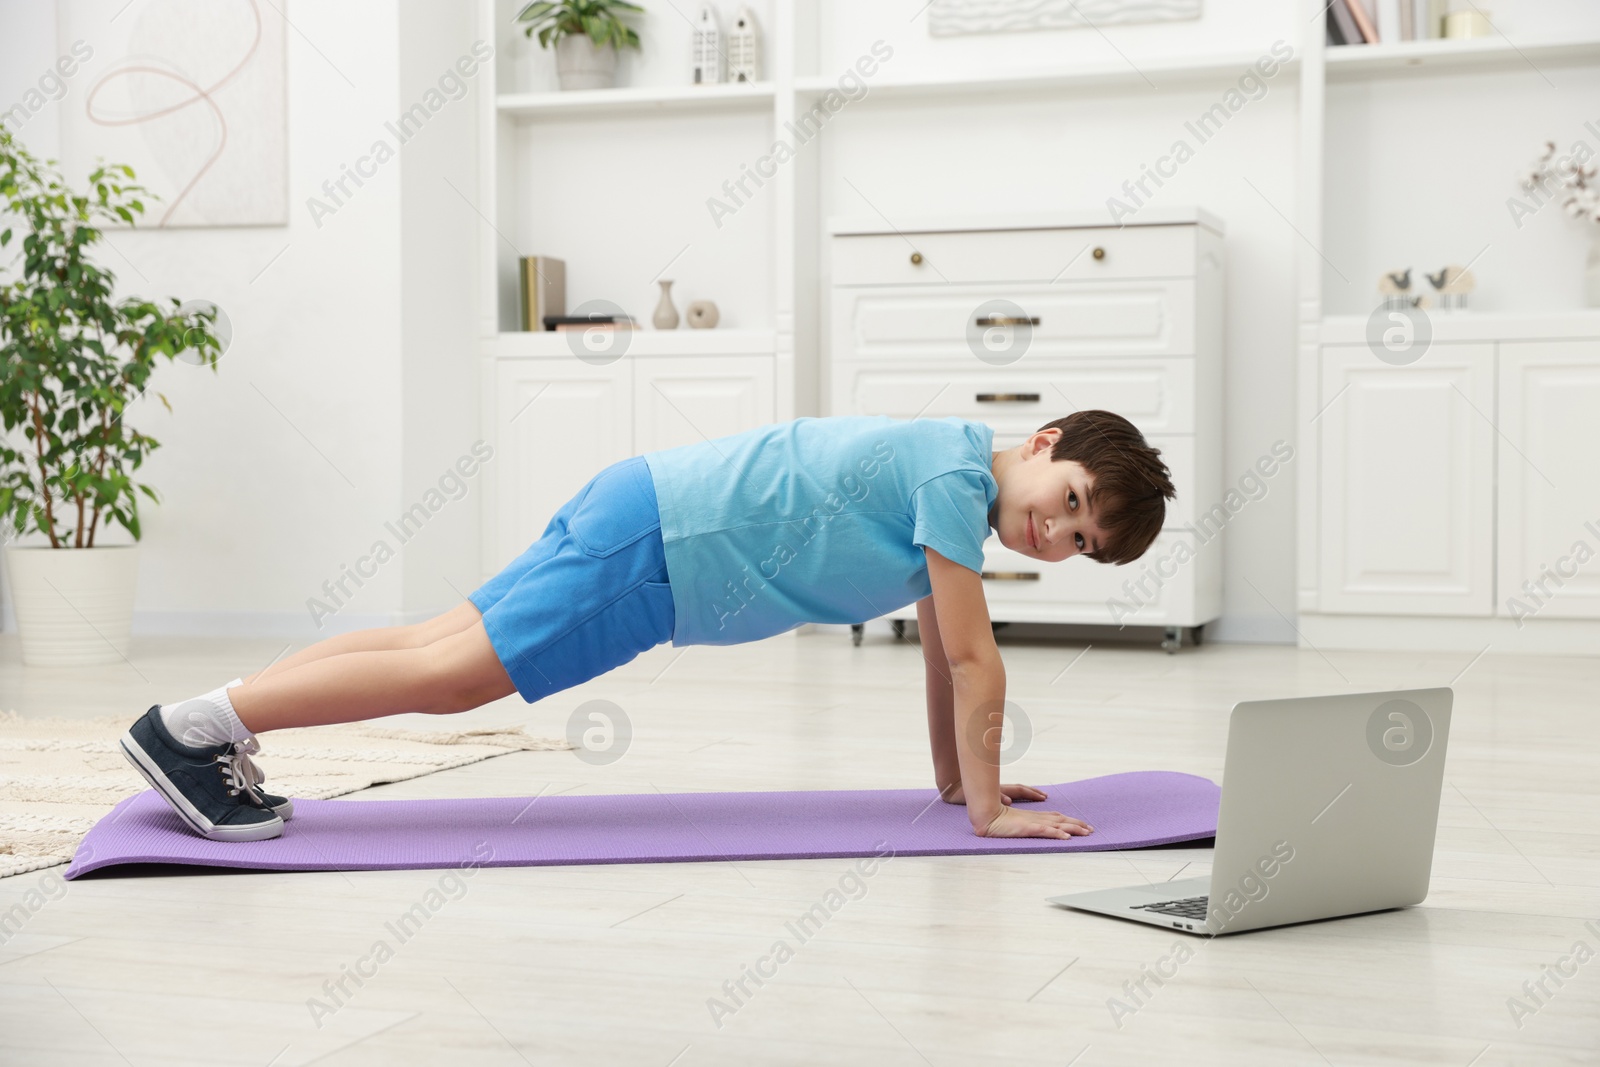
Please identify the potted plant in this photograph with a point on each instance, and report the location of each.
(587, 34)
(74, 358)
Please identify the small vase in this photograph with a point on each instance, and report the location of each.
(1591, 277)
(666, 316)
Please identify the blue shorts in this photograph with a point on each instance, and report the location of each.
(590, 594)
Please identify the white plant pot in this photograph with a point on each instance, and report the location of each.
(580, 64)
(74, 605)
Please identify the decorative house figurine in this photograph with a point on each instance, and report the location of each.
(744, 48)
(706, 52)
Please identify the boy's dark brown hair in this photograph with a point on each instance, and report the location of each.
(1131, 484)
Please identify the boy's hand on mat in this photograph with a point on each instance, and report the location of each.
(1008, 793)
(1022, 822)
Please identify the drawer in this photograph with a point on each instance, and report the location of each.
(1047, 255)
(1136, 318)
(1156, 395)
(1089, 591)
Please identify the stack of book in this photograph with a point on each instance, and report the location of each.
(1369, 21)
(590, 322)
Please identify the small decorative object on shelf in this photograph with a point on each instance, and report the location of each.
(1436, 10)
(544, 289)
(666, 316)
(587, 35)
(1453, 284)
(1465, 20)
(1395, 287)
(744, 48)
(705, 56)
(702, 315)
(1577, 183)
(593, 321)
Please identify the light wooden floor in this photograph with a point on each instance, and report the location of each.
(942, 961)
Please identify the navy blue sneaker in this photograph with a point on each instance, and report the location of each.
(210, 787)
(283, 807)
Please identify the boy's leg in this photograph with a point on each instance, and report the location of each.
(213, 785)
(454, 673)
(389, 637)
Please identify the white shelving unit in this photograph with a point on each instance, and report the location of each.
(524, 132)
(649, 152)
(626, 101)
(1350, 62)
(1430, 489)
(642, 344)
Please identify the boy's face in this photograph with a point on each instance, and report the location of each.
(1043, 507)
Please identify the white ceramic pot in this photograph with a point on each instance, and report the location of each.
(74, 605)
(580, 64)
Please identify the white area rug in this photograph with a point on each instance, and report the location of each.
(59, 777)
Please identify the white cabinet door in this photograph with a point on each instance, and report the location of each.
(695, 398)
(1407, 483)
(558, 423)
(1549, 488)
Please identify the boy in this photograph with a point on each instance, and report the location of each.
(828, 520)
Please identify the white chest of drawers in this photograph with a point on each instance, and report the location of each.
(1019, 321)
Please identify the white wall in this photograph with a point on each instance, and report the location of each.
(439, 228)
(343, 395)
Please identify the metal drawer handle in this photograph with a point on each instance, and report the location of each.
(1007, 398)
(1009, 576)
(1007, 320)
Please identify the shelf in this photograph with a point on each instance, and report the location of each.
(1351, 62)
(1478, 326)
(647, 342)
(1165, 72)
(647, 100)
(1163, 215)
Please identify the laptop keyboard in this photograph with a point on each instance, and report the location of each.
(1187, 908)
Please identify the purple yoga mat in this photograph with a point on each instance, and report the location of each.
(1131, 810)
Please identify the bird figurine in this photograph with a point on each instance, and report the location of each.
(1452, 283)
(1395, 288)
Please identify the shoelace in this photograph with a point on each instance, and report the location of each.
(240, 772)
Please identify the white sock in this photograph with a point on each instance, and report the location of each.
(206, 720)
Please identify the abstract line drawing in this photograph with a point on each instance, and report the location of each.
(193, 95)
(947, 18)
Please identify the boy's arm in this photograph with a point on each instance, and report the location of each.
(941, 701)
(978, 686)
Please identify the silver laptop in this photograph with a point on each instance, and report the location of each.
(1329, 807)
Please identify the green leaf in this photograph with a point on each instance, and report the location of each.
(534, 11)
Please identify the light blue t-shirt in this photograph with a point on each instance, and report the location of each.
(817, 520)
